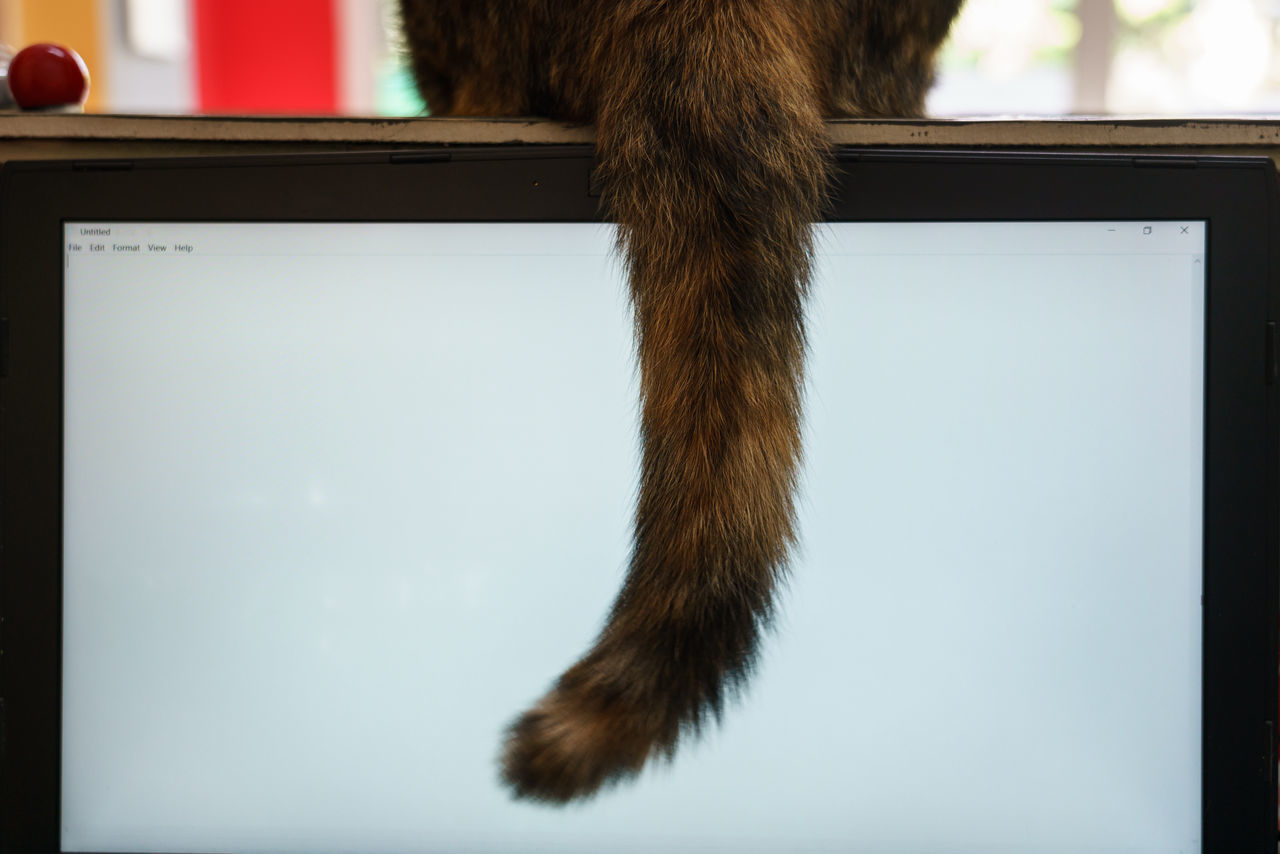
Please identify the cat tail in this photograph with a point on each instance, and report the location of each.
(713, 161)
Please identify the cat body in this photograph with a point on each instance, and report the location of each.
(713, 161)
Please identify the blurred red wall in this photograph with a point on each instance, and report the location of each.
(266, 56)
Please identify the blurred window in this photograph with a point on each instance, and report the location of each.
(1158, 57)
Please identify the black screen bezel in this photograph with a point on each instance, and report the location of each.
(1235, 196)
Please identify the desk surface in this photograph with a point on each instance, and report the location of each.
(43, 136)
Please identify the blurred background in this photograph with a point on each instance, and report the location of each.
(343, 57)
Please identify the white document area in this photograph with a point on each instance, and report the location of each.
(342, 500)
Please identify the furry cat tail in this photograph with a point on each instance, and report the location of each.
(713, 160)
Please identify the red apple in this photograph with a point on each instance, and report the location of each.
(48, 75)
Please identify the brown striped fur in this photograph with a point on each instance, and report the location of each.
(713, 161)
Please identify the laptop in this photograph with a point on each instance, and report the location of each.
(317, 470)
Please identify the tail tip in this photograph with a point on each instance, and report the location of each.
(568, 747)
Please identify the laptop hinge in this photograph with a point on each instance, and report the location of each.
(102, 165)
(420, 157)
(1166, 161)
(1269, 771)
(1273, 355)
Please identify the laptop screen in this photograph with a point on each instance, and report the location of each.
(340, 500)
